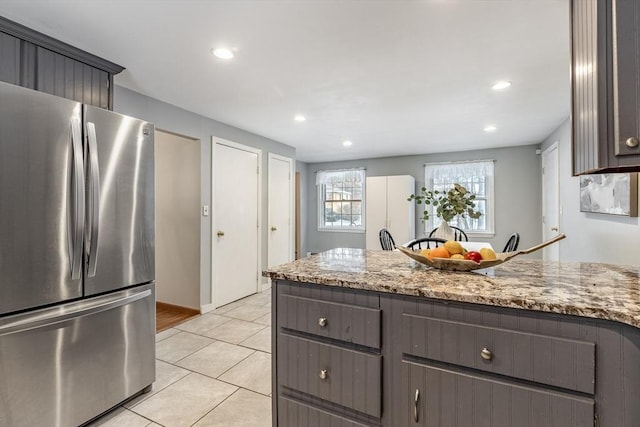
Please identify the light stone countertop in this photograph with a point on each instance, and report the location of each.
(601, 291)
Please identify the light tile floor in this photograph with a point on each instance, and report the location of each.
(214, 371)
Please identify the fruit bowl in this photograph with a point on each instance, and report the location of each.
(467, 265)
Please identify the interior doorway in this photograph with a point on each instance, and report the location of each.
(177, 202)
(236, 221)
(550, 201)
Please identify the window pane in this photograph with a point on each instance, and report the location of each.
(475, 177)
(341, 194)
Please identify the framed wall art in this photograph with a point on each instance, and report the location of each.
(610, 193)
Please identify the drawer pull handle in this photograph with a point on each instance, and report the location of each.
(322, 322)
(415, 405)
(323, 374)
(486, 354)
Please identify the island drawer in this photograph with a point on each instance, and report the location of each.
(297, 414)
(346, 377)
(543, 359)
(344, 322)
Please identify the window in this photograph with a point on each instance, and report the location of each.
(477, 177)
(341, 200)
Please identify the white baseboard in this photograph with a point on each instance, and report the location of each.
(207, 308)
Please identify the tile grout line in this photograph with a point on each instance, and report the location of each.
(213, 340)
(212, 409)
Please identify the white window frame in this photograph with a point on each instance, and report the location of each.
(320, 197)
(489, 192)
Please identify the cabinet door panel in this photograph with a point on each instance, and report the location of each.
(375, 210)
(9, 59)
(447, 398)
(401, 214)
(626, 69)
(62, 76)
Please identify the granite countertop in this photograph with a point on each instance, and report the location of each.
(601, 291)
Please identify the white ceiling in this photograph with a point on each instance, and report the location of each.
(394, 76)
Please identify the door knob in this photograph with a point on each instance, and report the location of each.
(554, 228)
(274, 228)
(632, 142)
(220, 233)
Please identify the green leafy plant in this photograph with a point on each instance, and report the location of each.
(457, 201)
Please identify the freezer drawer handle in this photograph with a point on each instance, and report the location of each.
(59, 315)
(76, 208)
(93, 214)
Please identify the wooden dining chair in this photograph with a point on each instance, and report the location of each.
(425, 243)
(458, 234)
(386, 241)
(512, 243)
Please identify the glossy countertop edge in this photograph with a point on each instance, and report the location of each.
(592, 290)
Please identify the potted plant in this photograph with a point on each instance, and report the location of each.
(458, 201)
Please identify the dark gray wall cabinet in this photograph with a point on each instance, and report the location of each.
(344, 357)
(36, 61)
(605, 85)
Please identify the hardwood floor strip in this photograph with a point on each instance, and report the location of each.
(169, 315)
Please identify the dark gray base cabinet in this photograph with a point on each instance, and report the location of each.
(344, 358)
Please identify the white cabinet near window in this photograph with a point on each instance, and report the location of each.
(387, 207)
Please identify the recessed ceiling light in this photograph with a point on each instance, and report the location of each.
(299, 118)
(490, 128)
(347, 143)
(501, 85)
(222, 53)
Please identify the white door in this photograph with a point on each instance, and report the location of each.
(280, 232)
(235, 226)
(550, 202)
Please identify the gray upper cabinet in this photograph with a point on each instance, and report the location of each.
(34, 60)
(605, 58)
(9, 59)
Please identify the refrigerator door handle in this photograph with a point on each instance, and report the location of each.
(59, 315)
(93, 214)
(76, 210)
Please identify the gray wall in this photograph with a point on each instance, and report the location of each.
(303, 168)
(170, 118)
(517, 194)
(591, 237)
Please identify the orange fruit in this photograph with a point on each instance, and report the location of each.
(440, 252)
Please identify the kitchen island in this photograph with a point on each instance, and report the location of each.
(372, 338)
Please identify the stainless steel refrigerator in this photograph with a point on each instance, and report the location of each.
(77, 301)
